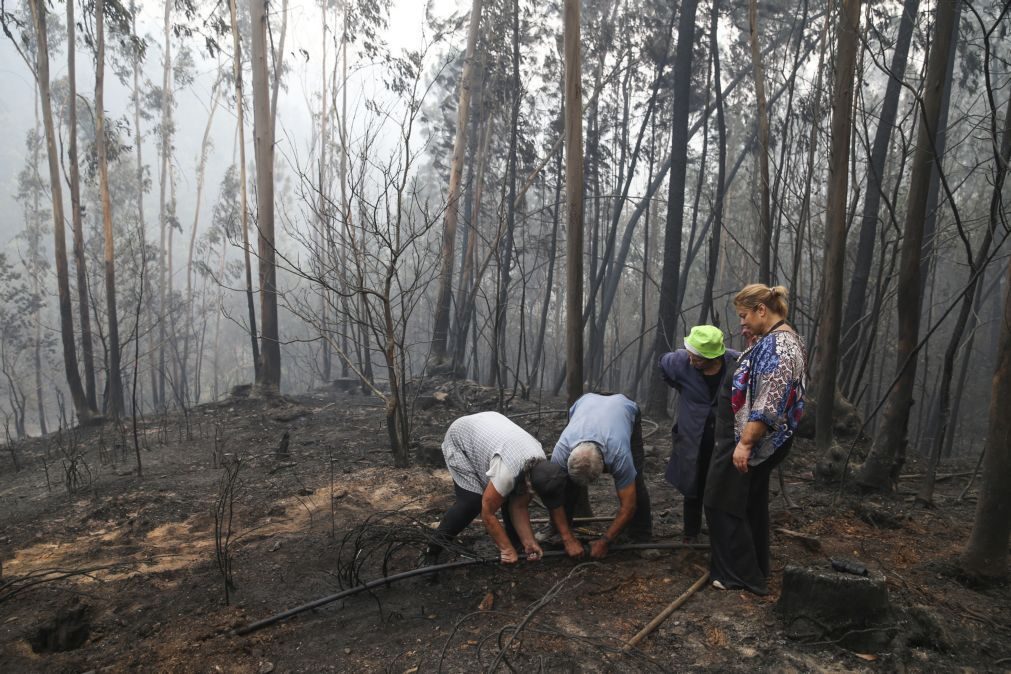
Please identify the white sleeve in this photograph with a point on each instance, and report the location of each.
(499, 475)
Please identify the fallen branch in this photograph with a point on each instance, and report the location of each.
(812, 543)
(663, 615)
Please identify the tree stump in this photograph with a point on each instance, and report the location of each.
(428, 452)
(821, 604)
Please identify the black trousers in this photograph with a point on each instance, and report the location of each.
(463, 511)
(641, 526)
(739, 555)
(693, 504)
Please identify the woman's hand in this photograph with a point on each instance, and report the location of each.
(741, 455)
(508, 555)
(533, 551)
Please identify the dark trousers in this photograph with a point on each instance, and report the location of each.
(641, 526)
(693, 504)
(739, 554)
(460, 514)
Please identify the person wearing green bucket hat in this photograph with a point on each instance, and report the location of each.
(697, 372)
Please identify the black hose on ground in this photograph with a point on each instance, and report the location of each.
(425, 570)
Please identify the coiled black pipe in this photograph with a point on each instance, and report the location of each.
(425, 570)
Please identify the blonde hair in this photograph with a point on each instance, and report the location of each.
(775, 299)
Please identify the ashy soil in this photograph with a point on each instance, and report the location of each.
(123, 572)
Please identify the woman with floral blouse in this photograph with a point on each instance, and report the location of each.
(757, 416)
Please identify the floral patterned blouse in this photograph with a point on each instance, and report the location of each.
(768, 386)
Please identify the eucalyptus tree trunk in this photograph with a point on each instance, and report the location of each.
(324, 229)
(499, 357)
(765, 221)
(440, 331)
(977, 266)
(243, 182)
(549, 285)
(263, 133)
(205, 146)
(835, 225)
(574, 202)
(164, 253)
(667, 322)
(805, 202)
(986, 553)
(77, 394)
(880, 470)
(857, 296)
(721, 148)
(277, 55)
(80, 258)
(35, 253)
(115, 381)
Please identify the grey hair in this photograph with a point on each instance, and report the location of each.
(586, 463)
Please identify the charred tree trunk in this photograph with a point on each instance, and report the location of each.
(263, 132)
(444, 301)
(835, 226)
(77, 393)
(574, 202)
(977, 267)
(721, 149)
(765, 220)
(857, 296)
(668, 313)
(83, 302)
(986, 553)
(880, 470)
(243, 183)
(115, 380)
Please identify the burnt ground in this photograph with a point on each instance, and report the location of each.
(121, 575)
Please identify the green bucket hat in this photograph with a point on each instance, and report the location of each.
(705, 341)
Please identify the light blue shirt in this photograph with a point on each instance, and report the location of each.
(607, 421)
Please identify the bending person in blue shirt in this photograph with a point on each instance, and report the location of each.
(605, 433)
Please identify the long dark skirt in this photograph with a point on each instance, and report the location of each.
(739, 555)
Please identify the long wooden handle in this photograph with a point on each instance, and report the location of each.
(673, 606)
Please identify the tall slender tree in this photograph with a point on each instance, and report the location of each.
(243, 183)
(115, 381)
(880, 470)
(41, 71)
(263, 133)
(74, 170)
(836, 220)
(444, 299)
(667, 322)
(573, 201)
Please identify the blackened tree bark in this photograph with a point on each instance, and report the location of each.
(835, 225)
(880, 470)
(115, 381)
(668, 313)
(721, 172)
(986, 553)
(444, 299)
(574, 202)
(83, 302)
(243, 182)
(977, 265)
(77, 394)
(857, 297)
(263, 132)
(765, 219)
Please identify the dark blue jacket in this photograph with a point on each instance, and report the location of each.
(695, 407)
